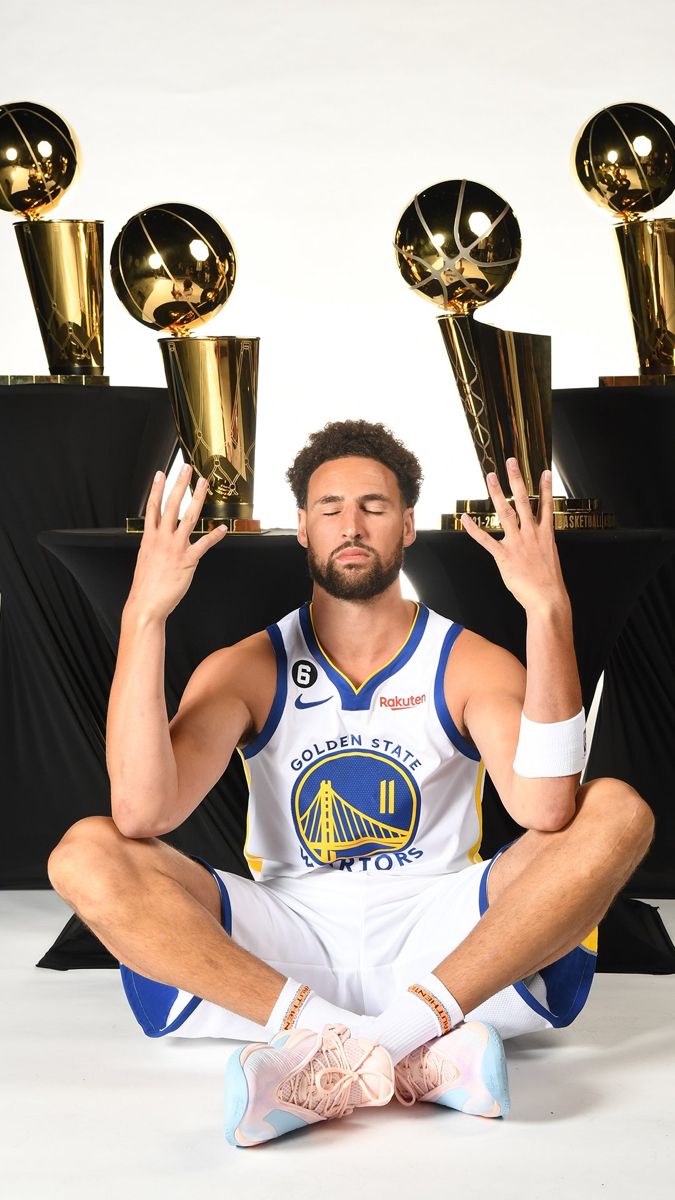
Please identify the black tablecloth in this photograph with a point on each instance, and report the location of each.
(243, 584)
(619, 444)
(240, 579)
(85, 458)
(72, 456)
(605, 573)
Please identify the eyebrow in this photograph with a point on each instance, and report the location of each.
(382, 499)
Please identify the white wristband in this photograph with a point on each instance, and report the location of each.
(550, 750)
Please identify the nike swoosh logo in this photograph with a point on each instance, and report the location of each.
(299, 703)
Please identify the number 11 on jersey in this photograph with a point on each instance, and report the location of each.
(386, 795)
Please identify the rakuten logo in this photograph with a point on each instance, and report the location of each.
(401, 701)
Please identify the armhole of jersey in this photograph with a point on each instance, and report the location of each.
(442, 709)
(279, 702)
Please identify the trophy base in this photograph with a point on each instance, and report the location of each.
(206, 524)
(82, 380)
(658, 380)
(568, 513)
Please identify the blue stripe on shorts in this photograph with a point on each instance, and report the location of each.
(151, 1002)
(568, 980)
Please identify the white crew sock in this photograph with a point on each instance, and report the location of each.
(298, 1007)
(427, 1010)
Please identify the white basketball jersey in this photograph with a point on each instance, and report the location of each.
(369, 779)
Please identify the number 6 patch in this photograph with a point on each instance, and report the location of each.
(304, 673)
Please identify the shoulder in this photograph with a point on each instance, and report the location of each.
(244, 674)
(242, 669)
(251, 656)
(477, 669)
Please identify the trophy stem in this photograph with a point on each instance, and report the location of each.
(504, 382)
(647, 250)
(213, 384)
(63, 261)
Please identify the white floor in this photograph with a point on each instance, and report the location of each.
(91, 1108)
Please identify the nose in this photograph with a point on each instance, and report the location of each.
(351, 522)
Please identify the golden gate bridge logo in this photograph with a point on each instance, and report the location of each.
(355, 803)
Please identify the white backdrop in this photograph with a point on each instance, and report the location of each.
(306, 128)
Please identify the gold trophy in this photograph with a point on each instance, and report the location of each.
(173, 267)
(458, 245)
(625, 160)
(63, 260)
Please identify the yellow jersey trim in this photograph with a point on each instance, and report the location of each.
(474, 856)
(372, 675)
(255, 864)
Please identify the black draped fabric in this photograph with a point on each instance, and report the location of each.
(605, 573)
(243, 584)
(72, 456)
(618, 443)
(238, 581)
(632, 938)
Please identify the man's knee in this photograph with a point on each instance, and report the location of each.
(619, 810)
(83, 852)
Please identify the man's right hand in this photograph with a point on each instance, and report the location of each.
(167, 560)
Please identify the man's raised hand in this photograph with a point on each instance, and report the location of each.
(167, 560)
(526, 556)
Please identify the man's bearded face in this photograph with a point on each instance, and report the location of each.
(354, 528)
(361, 580)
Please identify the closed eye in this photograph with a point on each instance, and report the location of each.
(334, 512)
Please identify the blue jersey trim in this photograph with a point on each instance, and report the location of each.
(442, 709)
(151, 1002)
(568, 980)
(358, 699)
(279, 702)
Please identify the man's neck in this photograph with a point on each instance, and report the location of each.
(360, 636)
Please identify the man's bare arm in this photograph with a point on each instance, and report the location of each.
(161, 771)
(139, 757)
(528, 562)
(487, 690)
(139, 753)
(225, 703)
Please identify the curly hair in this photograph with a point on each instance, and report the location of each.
(363, 439)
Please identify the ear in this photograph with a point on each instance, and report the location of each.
(409, 533)
(302, 527)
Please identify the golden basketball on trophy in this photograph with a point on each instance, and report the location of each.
(624, 158)
(63, 260)
(173, 266)
(458, 245)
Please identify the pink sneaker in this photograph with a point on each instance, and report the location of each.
(465, 1069)
(300, 1078)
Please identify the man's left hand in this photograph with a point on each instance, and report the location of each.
(527, 556)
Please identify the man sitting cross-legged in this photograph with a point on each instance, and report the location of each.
(373, 952)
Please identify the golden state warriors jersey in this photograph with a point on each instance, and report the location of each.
(375, 778)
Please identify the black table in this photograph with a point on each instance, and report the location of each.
(605, 573)
(247, 581)
(241, 585)
(72, 456)
(242, 578)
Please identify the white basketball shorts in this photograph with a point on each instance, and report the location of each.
(358, 940)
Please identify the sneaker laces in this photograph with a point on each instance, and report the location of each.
(329, 1084)
(420, 1072)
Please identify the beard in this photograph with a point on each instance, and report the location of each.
(351, 582)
